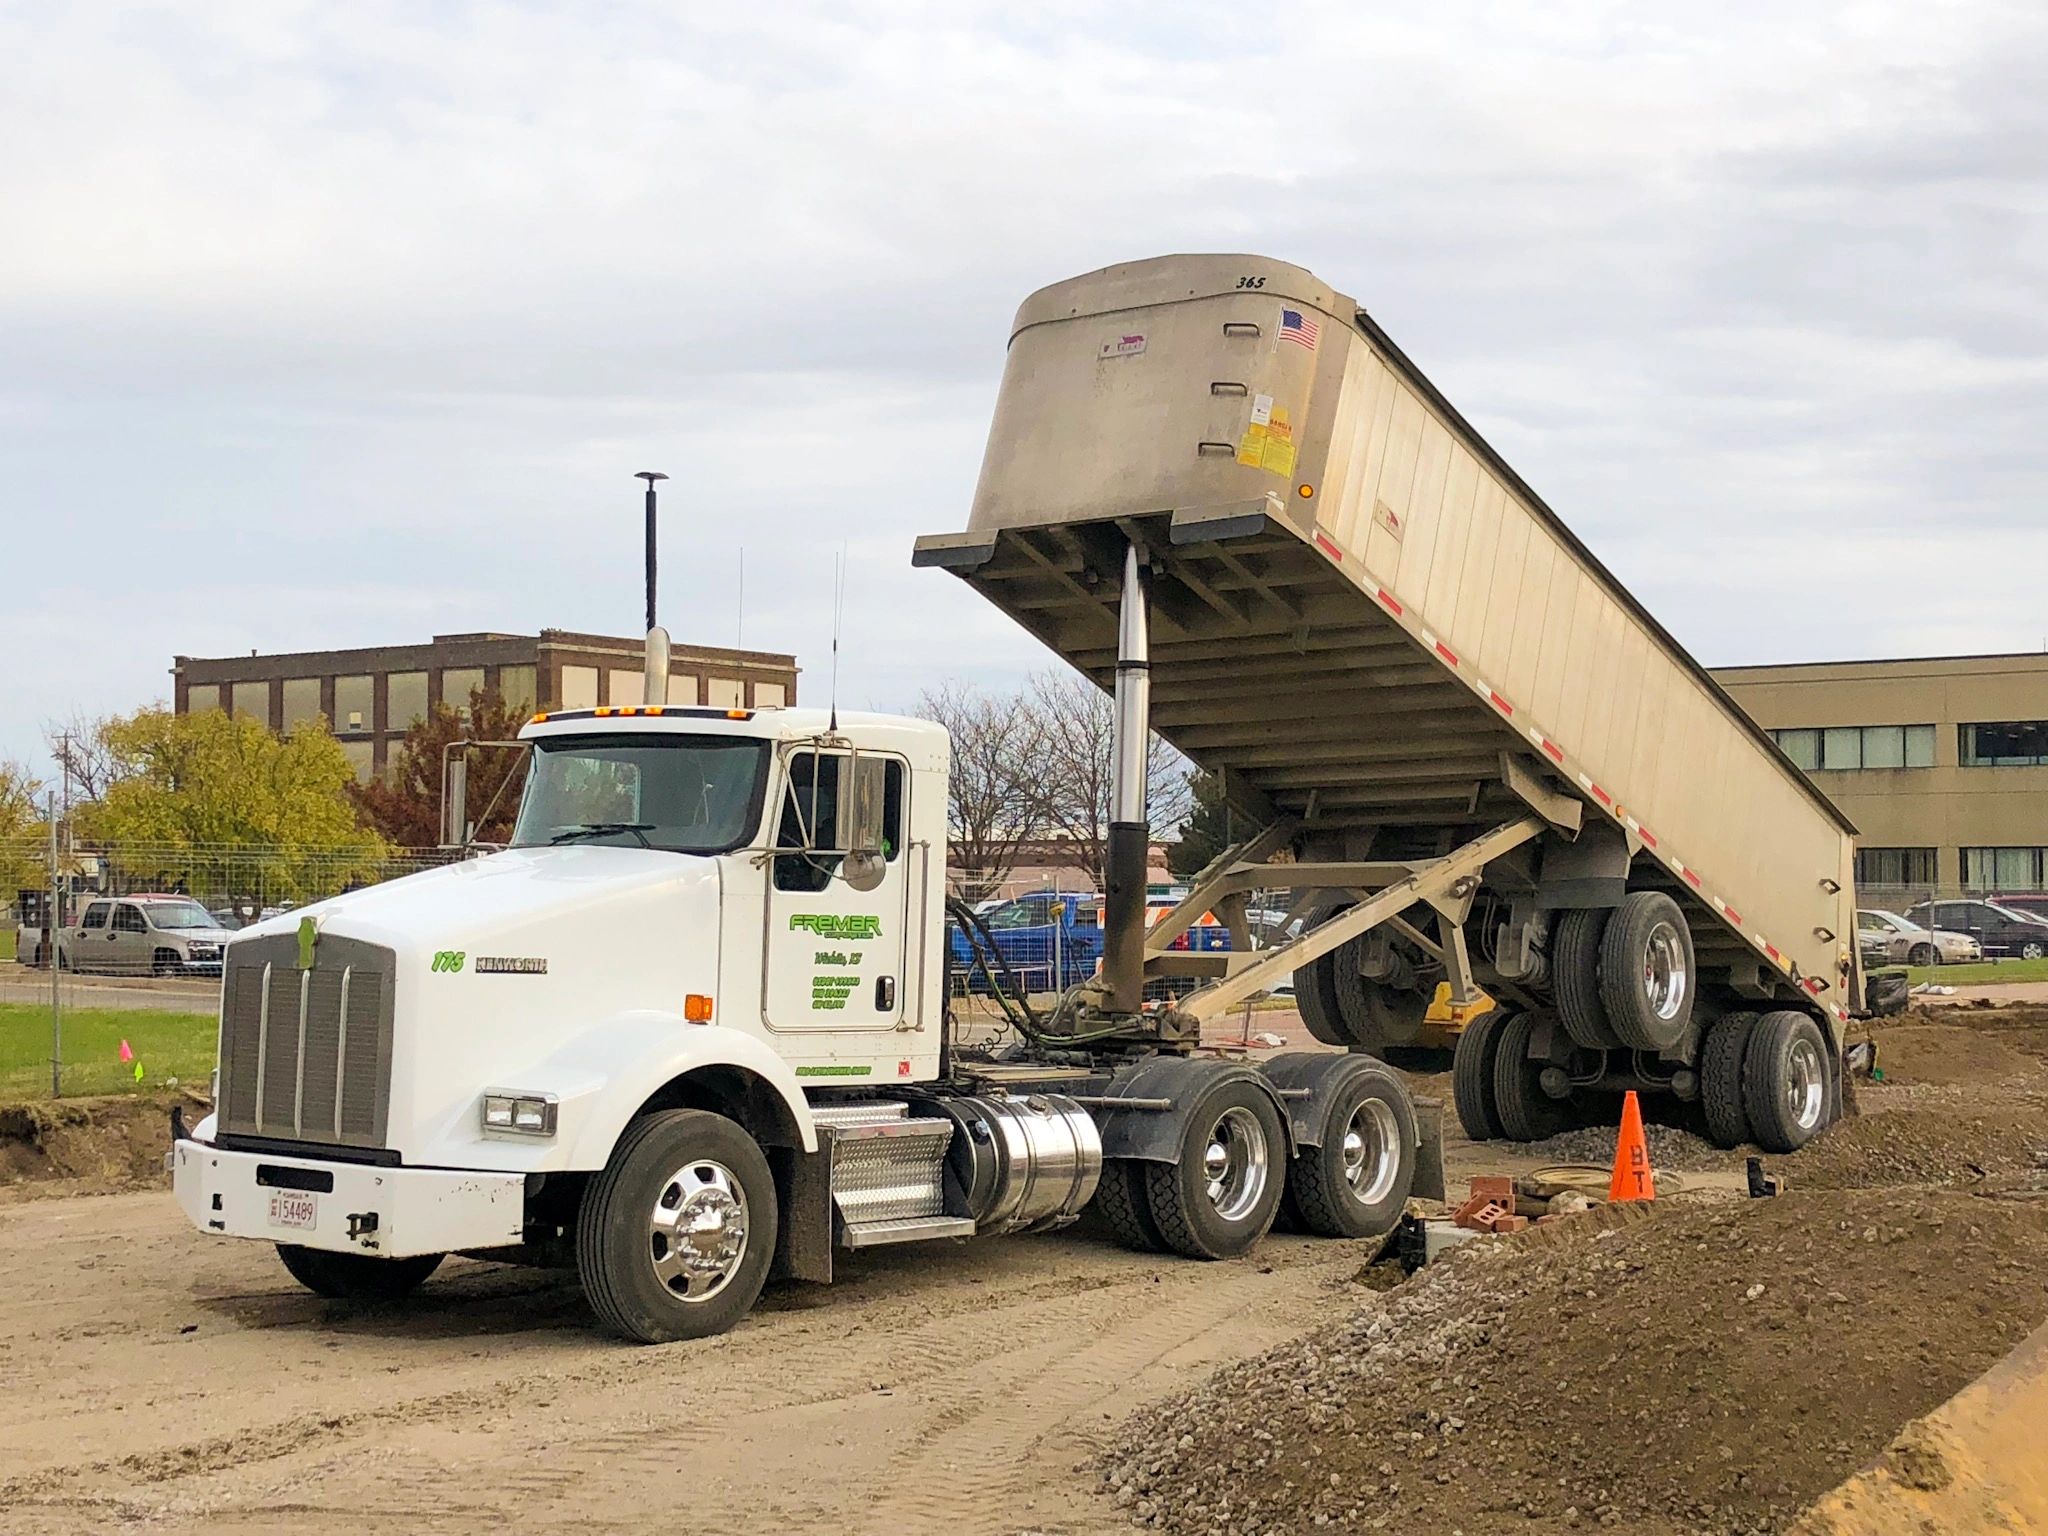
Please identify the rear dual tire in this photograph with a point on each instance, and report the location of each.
(1785, 1081)
(1526, 1112)
(1356, 1183)
(1625, 977)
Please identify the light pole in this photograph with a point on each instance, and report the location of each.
(650, 476)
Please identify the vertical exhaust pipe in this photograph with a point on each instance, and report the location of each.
(1123, 937)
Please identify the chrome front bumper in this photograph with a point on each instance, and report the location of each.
(394, 1213)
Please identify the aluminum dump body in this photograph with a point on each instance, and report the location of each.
(1360, 610)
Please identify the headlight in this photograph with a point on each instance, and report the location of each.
(519, 1114)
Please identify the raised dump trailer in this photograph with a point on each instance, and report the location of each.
(693, 1025)
(1490, 764)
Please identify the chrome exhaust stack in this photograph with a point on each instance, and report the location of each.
(1123, 918)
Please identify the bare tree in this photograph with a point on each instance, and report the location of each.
(1077, 767)
(80, 748)
(993, 803)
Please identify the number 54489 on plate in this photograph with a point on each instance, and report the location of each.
(293, 1208)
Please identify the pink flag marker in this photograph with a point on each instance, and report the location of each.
(126, 1053)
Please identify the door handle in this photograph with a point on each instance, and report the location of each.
(885, 993)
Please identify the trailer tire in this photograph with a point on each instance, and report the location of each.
(1315, 997)
(1784, 1080)
(1356, 1183)
(1372, 1015)
(1526, 1112)
(1219, 1197)
(1647, 971)
(1472, 1076)
(1721, 1100)
(1575, 977)
(697, 1165)
(356, 1276)
(1120, 1200)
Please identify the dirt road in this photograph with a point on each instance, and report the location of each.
(157, 1378)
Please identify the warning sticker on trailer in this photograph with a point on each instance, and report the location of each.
(1387, 518)
(1268, 444)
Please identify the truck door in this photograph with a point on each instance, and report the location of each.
(127, 944)
(834, 955)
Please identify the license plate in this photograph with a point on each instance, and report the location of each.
(293, 1208)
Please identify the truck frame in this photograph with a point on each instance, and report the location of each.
(692, 1028)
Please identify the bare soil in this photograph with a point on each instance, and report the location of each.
(1709, 1370)
(163, 1380)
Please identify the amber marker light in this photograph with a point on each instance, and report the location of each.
(697, 1008)
(1304, 491)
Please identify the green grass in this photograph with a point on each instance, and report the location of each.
(1977, 972)
(167, 1045)
(7, 938)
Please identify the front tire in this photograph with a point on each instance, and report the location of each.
(1784, 1081)
(2032, 949)
(356, 1276)
(1923, 954)
(674, 1238)
(1356, 1183)
(1220, 1196)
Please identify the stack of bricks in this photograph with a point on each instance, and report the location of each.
(1491, 1207)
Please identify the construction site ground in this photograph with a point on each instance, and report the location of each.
(1710, 1365)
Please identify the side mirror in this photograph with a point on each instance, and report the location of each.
(866, 861)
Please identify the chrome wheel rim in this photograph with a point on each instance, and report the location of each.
(697, 1232)
(1804, 1084)
(1666, 980)
(1235, 1163)
(1370, 1148)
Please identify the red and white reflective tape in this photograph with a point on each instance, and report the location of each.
(1329, 547)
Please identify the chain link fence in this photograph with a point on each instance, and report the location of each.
(122, 990)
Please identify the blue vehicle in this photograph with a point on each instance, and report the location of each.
(1051, 939)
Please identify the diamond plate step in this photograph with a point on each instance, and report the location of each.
(866, 1112)
(904, 1229)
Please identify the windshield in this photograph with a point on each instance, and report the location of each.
(180, 914)
(685, 794)
(2016, 915)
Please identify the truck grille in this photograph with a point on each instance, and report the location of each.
(306, 1055)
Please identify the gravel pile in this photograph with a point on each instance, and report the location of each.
(1670, 1148)
(1707, 1369)
(1957, 1143)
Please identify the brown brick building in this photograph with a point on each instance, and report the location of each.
(372, 694)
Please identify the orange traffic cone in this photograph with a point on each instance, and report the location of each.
(1633, 1178)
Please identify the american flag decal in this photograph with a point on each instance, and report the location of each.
(1298, 328)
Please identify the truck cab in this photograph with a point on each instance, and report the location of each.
(689, 1026)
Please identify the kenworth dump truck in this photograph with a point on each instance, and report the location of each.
(692, 1027)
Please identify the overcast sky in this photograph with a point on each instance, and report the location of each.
(342, 325)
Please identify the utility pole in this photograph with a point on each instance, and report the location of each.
(650, 476)
(50, 953)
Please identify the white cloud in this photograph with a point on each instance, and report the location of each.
(324, 325)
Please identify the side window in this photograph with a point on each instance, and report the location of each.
(810, 817)
(95, 915)
(892, 810)
(128, 919)
(1870, 922)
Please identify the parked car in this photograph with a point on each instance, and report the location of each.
(144, 935)
(1997, 928)
(1885, 938)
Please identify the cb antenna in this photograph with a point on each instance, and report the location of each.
(838, 619)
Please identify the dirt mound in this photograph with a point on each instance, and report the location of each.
(1943, 1051)
(1709, 1370)
(1670, 1147)
(76, 1145)
(1911, 1145)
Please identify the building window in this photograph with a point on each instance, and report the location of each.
(768, 695)
(301, 701)
(252, 699)
(355, 705)
(405, 700)
(2003, 869)
(1895, 866)
(2004, 744)
(361, 757)
(627, 687)
(1835, 747)
(515, 687)
(724, 692)
(457, 684)
(202, 696)
(579, 688)
(682, 688)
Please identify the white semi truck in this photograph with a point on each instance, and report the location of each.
(692, 1028)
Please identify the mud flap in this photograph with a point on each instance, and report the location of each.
(803, 1244)
(1429, 1154)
